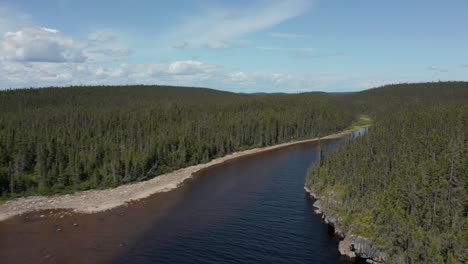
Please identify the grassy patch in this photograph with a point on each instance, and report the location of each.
(364, 120)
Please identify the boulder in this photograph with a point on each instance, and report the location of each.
(357, 246)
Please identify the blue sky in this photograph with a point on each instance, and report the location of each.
(243, 46)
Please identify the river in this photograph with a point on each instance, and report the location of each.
(249, 210)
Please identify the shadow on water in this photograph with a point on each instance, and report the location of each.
(250, 210)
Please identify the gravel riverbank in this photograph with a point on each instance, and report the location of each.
(100, 200)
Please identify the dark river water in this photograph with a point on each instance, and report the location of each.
(250, 210)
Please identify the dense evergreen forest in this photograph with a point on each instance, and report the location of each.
(404, 184)
(378, 102)
(56, 140)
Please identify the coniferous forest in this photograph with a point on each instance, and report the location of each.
(404, 183)
(55, 140)
(224, 131)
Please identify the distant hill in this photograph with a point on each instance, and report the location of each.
(393, 97)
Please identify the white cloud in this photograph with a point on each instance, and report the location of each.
(219, 45)
(186, 73)
(285, 35)
(38, 44)
(58, 77)
(367, 84)
(189, 73)
(43, 44)
(226, 24)
(50, 30)
(33, 74)
(22, 42)
(280, 78)
(188, 67)
(239, 76)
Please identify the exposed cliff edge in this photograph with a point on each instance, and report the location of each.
(351, 245)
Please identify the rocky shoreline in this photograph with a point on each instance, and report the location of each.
(351, 245)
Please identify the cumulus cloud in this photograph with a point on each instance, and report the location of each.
(40, 44)
(16, 74)
(43, 44)
(29, 54)
(191, 67)
(188, 67)
(239, 76)
(187, 73)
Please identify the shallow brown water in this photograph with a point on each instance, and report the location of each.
(249, 210)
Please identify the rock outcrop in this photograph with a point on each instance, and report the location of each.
(351, 245)
(356, 246)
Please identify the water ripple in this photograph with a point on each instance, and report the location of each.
(249, 211)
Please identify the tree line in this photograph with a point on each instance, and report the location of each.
(404, 184)
(55, 140)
